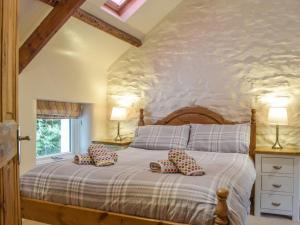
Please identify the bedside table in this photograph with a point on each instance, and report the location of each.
(114, 145)
(277, 182)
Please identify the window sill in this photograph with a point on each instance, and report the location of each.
(52, 159)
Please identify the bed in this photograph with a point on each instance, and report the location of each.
(128, 193)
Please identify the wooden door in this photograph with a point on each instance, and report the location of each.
(9, 160)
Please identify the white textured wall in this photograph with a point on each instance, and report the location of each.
(225, 55)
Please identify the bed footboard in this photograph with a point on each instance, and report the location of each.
(221, 213)
(59, 214)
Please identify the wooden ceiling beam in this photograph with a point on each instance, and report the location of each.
(101, 25)
(62, 11)
(106, 27)
(52, 3)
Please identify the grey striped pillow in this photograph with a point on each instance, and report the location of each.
(161, 137)
(220, 138)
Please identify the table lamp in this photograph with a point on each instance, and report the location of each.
(118, 114)
(277, 116)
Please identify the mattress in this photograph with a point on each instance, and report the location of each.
(129, 187)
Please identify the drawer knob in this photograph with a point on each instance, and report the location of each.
(277, 167)
(276, 185)
(276, 204)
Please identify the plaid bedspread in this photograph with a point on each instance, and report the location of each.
(129, 187)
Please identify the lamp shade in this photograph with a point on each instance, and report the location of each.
(278, 116)
(118, 113)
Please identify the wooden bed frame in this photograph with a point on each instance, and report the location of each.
(59, 214)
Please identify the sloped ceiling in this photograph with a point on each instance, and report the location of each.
(78, 38)
(73, 65)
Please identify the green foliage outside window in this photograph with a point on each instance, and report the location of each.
(48, 137)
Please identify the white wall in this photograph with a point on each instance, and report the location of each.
(71, 67)
(226, 55)
(86, 124)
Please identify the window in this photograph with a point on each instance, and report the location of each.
(58, 128)
(122, 9)
(117, 6)
(119, 2)
(53, 137)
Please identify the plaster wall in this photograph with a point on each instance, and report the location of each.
(73, 65)
(72, 68)
(227, 56)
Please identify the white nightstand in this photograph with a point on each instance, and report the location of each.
(277, 182)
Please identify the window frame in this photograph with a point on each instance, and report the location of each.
(125, 10)
(118, 9)
(74, 145)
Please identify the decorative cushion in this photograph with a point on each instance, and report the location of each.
(114, 156)
(220, 138)
(163, 166)
(161, 137)
(186, 164)
(101, 156)
(83, 159)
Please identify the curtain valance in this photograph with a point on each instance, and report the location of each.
(58, 110)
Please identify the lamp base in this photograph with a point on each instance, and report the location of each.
(118, 138)
(277, 145)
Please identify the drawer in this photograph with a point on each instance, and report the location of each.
(276, 183)
(277, 202)
(277, 165)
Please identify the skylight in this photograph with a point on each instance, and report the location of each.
(122, 9)
(118, 2)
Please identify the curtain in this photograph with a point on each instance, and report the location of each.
(58, 110)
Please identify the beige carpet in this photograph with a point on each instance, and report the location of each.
(269, 220)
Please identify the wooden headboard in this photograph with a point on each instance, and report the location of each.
(201, 115)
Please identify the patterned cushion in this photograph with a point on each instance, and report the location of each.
(186, 164)
(161, 137)
(220, 138)
(101, 156)
(163, 166)
(114, 156)
(83, 159)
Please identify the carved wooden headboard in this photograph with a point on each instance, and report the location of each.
(201, 115)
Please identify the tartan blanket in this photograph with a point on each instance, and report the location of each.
(129, 187)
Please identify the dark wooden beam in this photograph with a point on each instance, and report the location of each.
(101, 25)
(62, 11)
(106, 27)
(52, 3)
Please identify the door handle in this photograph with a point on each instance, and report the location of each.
(23, 138)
